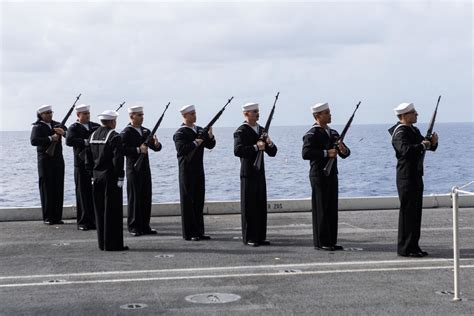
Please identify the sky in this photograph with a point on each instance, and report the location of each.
(150, 53)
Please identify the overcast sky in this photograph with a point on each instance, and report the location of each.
(148, 53)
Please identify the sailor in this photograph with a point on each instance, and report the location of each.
(253, 188)
(139, 189)
(45, 131)
(77, 137)
(318, 148)
(106, 150)
(190, 152)
(410, 147)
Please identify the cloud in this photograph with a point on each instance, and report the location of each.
(150, 53)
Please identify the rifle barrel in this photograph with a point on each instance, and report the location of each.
(258, 160)
(327, 169)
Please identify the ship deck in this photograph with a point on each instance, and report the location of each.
(60, 270)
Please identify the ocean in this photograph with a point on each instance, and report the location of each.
(369, 171)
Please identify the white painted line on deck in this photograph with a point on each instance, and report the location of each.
(221, 276)
(227, 268)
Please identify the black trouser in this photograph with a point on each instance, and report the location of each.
(324, 206)
(51, 187)
(191, 191)
(139, 201)
(108, 207)
(253, 205)
(84, 198)
(410, 193)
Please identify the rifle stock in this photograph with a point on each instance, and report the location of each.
(52, 146)
(258, 160)
(138, 164)
(327, 169)
(206, 129)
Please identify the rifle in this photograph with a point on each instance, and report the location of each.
(205, 130)
(138, 164)
(429, 132)
(52, 146)
(328, 167)
(258, 161)
(120, 106)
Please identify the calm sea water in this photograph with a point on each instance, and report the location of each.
(369, 171)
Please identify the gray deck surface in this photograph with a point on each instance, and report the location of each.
(288, 277)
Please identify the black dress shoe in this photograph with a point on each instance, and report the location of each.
(252, 243)
(205, 237)
(60, 222)
(124, 248)
(83, 228)
(192, 239)
(264, 243)
(337, 247)
(326, 248)
(150, 232)
(135, 233)
(411, 254)
(48, 222)
(424, 253)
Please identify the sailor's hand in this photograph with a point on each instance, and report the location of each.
(55, 137)
(434, 139)
(59, 131)
(120, 183)
(269, 141)
(426, 143)
(342, 148)
(332, 153)
(143, 149)
(210, 133)
(261, 145)
(155, 140)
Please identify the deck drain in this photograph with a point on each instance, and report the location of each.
(133, 306)
(290, 271)
(353, 249)
(55, 281)
(59, 244)
(212, 298)
(164, 256)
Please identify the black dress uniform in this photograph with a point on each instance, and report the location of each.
(325, 189)
(406, 140)
(138, 181)
(253, 187)
(105, 145)
(77, 136)
(50, 172)
(191, 180)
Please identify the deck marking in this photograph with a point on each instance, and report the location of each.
(269, 266)
(197, 277)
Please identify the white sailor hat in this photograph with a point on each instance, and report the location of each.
(187, 108)
(82, 108)
(44, 108)
(249, 107)
(135, 109)
(404, 108)
(108, 115)
(319, 107)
